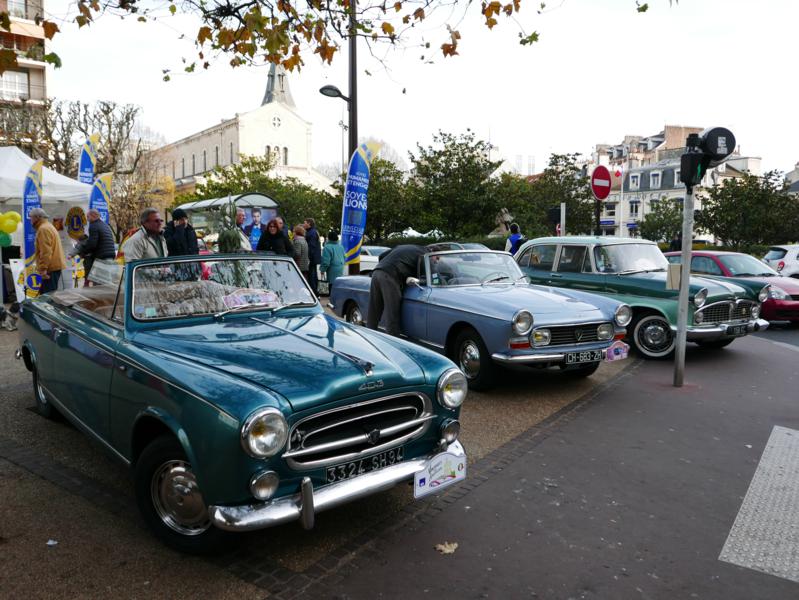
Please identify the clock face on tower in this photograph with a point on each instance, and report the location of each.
(276, 122)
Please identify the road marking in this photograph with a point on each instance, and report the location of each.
(765, 535)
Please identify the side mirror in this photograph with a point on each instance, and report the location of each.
(413, 281)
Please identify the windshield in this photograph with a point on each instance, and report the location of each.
(629, 258)
(376, 250)
(194, 287)
(745, 266)
(473, 268)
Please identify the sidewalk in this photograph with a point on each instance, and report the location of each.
(630, 494)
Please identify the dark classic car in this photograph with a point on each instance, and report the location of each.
(478, 308)
(237, 402)
(782, 303)
(634, 271)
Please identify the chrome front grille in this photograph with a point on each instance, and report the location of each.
(721, 312)
(573, 334)
(352, 432)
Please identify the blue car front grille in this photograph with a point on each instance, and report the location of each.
(573, 334)
(357, 430)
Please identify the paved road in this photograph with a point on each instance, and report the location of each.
(784, 333)
(632, 494)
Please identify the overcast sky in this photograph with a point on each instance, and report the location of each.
(600, 71)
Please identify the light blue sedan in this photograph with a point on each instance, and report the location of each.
(478, 308)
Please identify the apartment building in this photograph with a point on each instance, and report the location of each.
(26, 82)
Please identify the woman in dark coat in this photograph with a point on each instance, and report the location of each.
(274, 241)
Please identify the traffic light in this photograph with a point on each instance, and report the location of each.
(707, 149)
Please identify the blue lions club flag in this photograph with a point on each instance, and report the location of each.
(88, 160)
(353, 214)
(31, 198)
(101, 195)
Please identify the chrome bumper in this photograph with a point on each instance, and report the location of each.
(531, 359)
(703, 334)
(308, 502)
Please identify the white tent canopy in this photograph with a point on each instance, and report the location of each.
(56, 188)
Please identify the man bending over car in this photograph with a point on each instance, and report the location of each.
(388, 281)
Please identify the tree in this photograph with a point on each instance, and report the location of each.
(283, 31)
(518, 195)
(451, 186)
(562, 181)
(663, 222)
(390, 206)
(297, 200)
(750, 210)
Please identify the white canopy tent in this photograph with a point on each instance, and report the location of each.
(56, 188)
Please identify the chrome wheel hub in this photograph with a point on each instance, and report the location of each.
(177, 499)
(469, 359)
(355, 316)
(655, 336)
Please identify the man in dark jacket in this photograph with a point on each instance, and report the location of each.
(99, 243)
(314, 253)
(388, 281)
(181, 239)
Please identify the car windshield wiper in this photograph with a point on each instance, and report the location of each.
(292, 305)
(496, 279)
(222, 313)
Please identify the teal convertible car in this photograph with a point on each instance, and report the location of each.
(237, 402)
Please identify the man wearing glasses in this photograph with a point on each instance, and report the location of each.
(148, 241)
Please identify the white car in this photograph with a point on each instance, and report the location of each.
(784, 259)
(370, 255)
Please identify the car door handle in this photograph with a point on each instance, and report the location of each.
(556, 276)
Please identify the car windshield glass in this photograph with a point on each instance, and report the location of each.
(629, 258)
(743, 265)
(473, 268)
(200, 287)
(775, 254)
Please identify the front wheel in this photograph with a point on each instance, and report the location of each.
(170, 499)
(653, 337)
(353, 314)
(716, 344)
(469, 352)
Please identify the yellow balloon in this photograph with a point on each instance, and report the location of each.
(8, 225)
(13, 214)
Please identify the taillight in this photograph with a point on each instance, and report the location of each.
(780, 265)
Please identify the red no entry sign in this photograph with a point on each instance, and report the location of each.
(600, 182)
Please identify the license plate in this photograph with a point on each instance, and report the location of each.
(365, 465)
(574, 358)
(736, 330)
(442, 471)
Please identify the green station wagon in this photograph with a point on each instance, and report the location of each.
(634, 271)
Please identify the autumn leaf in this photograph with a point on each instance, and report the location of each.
(50, 29)
(398, 6)
(449, 49)
(5, 21)
(8, 60)
(642, 7)
(173, 9)
(203, 34)
(447, 547)
(387, 28)
(490, 22)
(529, 39)
(418, 14)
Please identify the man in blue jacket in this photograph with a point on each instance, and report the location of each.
(99, 244)
(314, 253)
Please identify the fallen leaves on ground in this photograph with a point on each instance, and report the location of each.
(447, 547)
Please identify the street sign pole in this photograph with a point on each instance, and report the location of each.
(562, 218)
(600, 187)
(685, 282)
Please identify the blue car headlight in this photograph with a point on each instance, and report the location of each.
(264, 433)
(623, 316)
(451, 388)
(605, 331)
(522, 322)
(541, 337)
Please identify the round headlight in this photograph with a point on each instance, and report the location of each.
(763, 295)
(264, 485)
(777, 293)
(755, 311)
(604, 331)
(541, 337)
(451, 388)
(264, 433)
(699, 317)
(624, 314)
(522, 322)
(700, 298)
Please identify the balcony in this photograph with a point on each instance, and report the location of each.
(21, 9)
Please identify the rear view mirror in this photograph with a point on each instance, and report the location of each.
(412, 281)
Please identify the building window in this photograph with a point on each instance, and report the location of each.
(654, 181)
(677, 178)
(231, 153)
(193, 165)
(610, 210)
(216, 156)
(16, 8)
(635, 181)
(634, 209)
(182, 167)
(14, 86)
(285, 156)
(173, 169)
(205, 166)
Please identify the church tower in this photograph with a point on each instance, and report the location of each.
(277, 87)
